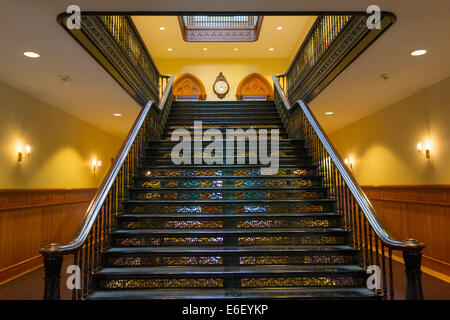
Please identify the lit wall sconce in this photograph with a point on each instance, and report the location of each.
(424, 149)
(20, 155)
(349, 162)
(95, 164)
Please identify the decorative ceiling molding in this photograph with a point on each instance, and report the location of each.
(254, 85)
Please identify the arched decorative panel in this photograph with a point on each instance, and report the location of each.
(188, 87)
(254, 87)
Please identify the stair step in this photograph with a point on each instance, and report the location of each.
(246, 194)
(255, 293)
(244, 237)
(232, 271)
(245, 276)
(224, 170)
(228, 181)
(231, 255)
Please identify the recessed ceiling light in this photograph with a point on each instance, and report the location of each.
(205, 49)
(162, 28)
(235, 49)
(279, 28)
(31, 54)
(169, 49)
(117, 114)
(418, 52)
(329, 112)
(271, 49)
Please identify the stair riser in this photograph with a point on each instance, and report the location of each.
(225, 195)
(229, 222)
(215, 259)
(270, 280)
(202, 240)
(297, 144)
(224, 172)
(244, 206)
(281, 160)
(220, 182)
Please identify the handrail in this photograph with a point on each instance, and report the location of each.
(338, 170)
(108, 192)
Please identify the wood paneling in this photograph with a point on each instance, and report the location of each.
(419, 212)
(31, 219)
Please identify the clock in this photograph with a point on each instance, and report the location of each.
(221, 86)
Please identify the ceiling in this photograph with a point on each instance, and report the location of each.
(282, 41)
(92, 95)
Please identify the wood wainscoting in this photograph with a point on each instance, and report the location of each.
(421, 212)
(31, 219)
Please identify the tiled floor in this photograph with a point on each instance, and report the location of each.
(31, 286)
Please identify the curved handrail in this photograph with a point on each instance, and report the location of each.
(94, 208)
(366, 206)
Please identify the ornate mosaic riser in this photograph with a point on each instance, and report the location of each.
(162, 283)
(311, 281)
(218, 241)
(218, 224)
(148, 208)
(222, 172)
(220, 183)
(300, 282)
(164, 261)
(218, 260)
(226, 195)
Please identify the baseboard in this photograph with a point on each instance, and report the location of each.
(19, 269)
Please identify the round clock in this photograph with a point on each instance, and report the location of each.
(221, 86)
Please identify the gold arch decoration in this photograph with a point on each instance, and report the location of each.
(254, 87)
(188, 87)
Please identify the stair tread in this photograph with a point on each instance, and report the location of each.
(239, 201)
(229, 215)
(231, 231)
(233, 270)
(256, 293)
(234, 249)
(232, 188)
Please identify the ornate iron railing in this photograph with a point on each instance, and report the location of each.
(116, 44)
(368, 233)
(100, 219)
(332, 43)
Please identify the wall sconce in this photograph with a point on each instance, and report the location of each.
(20, 153)
(349, 162)
(96, 164)
(421, 148)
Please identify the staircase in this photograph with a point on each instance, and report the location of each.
(226, 231)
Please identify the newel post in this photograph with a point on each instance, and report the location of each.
(52, 265)
(412, 255)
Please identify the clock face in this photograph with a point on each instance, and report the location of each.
(220, 87)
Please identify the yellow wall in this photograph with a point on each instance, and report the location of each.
(233, 69)
(384, 144)
(62, 146)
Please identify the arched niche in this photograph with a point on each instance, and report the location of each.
(188, 87)
(254, 87)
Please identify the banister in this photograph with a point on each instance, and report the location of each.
(54, 252)
(411, 249)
